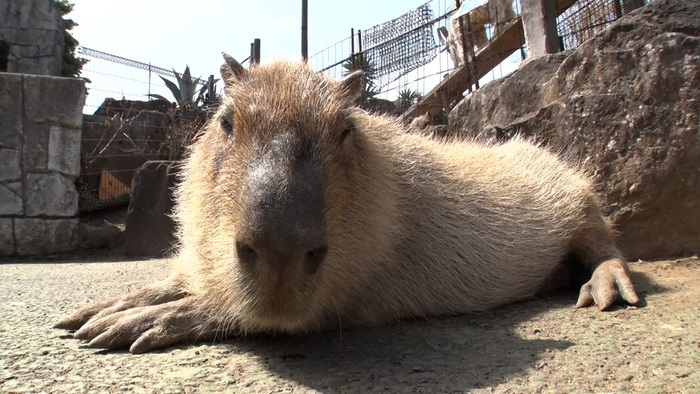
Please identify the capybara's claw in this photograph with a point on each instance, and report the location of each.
(610, 282)
(82, 316)
(142, 329)
(68, 323)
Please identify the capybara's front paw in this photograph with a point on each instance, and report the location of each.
(610, 281)
(157, 293)
(144, 328)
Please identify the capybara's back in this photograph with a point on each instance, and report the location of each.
(299, 211)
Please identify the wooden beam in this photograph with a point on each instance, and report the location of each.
(540, 26)
(509, 40)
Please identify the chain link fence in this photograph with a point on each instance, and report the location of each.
(133, 116)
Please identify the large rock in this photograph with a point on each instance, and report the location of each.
(149, 227)
(626, 105)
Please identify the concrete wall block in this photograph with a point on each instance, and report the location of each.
(45, 236)
(10, 110)
(35, 14)
(54, 100)
(11, 199)
(64, 151)
(7, 239)
(50, 195)
(36, 141)
(34, 29)
(40, 65)
(10, 169)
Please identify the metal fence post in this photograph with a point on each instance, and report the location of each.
(304, 30)
(256, 46)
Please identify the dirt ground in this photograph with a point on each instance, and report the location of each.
(542, 345)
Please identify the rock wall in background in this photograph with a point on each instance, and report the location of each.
(34, 30)
(625, 104)
(40, 132)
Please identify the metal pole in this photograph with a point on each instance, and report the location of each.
(352, 47)
(359, 40)
(256, 43)
(304, 30)
(149, 82)
(210, 87)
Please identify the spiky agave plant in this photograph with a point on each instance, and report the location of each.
(409, 96)
(362, 62)
(186, 91)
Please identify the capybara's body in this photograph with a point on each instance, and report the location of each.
(300, 212)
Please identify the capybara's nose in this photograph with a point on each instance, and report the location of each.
(307, 256)
(283, 210)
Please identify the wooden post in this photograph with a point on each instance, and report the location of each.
(618, 9)
(540, 25)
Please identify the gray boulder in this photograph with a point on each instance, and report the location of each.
(625, 105)
(149, 227)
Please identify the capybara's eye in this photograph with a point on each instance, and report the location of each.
(226, 125)
(345, 134)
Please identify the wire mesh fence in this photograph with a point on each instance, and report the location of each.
(133, 116)
(587, 17)
(410, 55)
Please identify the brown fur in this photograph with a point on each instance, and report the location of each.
(414, 227)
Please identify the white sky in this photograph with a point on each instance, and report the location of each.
(176, 33)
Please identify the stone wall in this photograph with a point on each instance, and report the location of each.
(625, 106)
(34, 30)
(40, 131)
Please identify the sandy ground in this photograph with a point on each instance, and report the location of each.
(538, 346)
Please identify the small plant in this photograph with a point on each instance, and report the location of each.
(72, 65)
(409, 96)
(364, 63)
(185, 91)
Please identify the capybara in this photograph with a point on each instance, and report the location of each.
(107, 235)
(421, 122)
(298, 211)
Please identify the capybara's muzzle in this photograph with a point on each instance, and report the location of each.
(283, 213)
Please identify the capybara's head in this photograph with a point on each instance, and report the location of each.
(270, 188)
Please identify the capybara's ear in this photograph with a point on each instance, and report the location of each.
(231, 70)
(351, 85)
